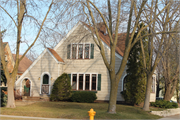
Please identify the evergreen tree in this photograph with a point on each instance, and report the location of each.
(135, 81)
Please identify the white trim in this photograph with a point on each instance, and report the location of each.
(42, 81)
(22, 86)
(22, 76)
(90, 82)
(123, 82)
(72, 30)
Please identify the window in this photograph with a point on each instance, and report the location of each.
(86, 53)
(124, 83)
(93, 81)
(153, 85)
(80, 51)
(74, 82)
(86, 81)
(6, 58)
(80, 81)
(74, 50)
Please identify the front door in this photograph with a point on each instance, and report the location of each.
(27, 88)
(45, 85)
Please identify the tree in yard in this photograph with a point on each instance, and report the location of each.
(112, 27)
(20, 21)
(158, 44)
(135, 81)
(170, 68)
(61, 88)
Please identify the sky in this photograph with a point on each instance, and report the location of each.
(30, 27)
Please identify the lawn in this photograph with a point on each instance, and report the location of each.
(77, 111)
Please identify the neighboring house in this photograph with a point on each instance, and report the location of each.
(23, 65)
(77, 55)
(9, 59)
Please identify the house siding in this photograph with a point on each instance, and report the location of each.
(96, 65)
(46, 64)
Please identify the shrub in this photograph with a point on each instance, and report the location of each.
(164, 104)
(61, 88)
(3, 97)
(83, 96)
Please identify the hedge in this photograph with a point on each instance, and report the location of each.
(83, 96)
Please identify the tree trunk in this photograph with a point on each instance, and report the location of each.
(169, 91)
(113, 97)
(11, 101)
(148, 90)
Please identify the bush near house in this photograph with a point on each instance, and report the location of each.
(61, 88)
(83, 96)
(164, 104)
(3, 96)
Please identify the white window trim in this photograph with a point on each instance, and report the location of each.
(90, 86)
(22, 86)
(77, 50)
(42, 81)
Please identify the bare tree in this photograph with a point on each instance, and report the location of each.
(20, 21)
(159, 43)
(112, 26)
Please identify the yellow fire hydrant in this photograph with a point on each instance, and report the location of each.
(91, 114)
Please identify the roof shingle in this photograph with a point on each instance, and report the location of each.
(56, 55)
(120, 47)
(23, 64)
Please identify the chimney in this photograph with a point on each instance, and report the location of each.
(101, 27)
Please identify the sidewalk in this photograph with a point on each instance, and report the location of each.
(171, 117)
(11, 117)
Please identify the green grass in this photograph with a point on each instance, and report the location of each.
(77, 111)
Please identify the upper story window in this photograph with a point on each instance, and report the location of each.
(6, 59)
(80, 51)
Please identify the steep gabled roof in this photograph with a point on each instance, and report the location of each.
(120, 47)
(55, 55)
(23, 64)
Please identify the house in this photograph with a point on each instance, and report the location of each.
(77, 55)
(10, 59)
(23, 65)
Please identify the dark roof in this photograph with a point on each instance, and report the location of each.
(23, 64)
(120, 47)
(55, 55)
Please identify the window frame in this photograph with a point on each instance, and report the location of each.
(153, 86)
(77, 50)
(82, 51)
(72, 51)
(85, 51)
(90, 80)
(76, 81)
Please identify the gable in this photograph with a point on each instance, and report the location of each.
(36, 61)
(105, 42)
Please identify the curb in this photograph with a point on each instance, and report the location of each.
(168, 112)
